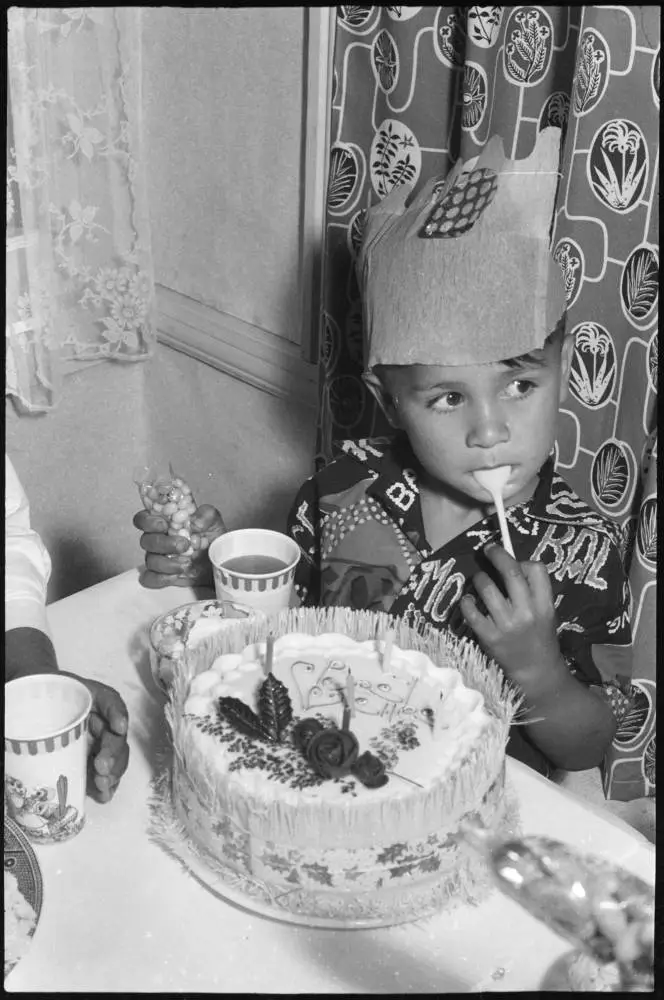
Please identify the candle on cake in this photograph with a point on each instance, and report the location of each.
(386, 657)
(269, 653)
(440, 722)
(349, 702)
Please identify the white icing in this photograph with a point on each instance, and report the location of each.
(221, 690)
(315, 671)
(197, 704)
(204, 683)
(224, 664)
(203, 628)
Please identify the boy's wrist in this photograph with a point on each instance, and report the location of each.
(544, 682)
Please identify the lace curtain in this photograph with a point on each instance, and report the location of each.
(417, 87)
(79, 271)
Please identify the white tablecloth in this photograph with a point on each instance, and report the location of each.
(120, 915)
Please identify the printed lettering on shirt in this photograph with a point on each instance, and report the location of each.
(446, 588)
(550, 541)
(586, 567)
(619, 623)
(480, 536)
(566, 505)
(410, 479)
(302, 516)
(522, 522)
(361, 449)
(401, 496)
(572, 626)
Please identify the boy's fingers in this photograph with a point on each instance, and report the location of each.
(157, 581)
(168, 565)
(511, 571)
(207, 518)
(494, 601)
(145, 521)
(537, 576)
(482, 626)
(164, 545)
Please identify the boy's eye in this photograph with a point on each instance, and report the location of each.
(520, 388)
(448, 401)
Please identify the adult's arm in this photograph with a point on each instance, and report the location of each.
(28, 647)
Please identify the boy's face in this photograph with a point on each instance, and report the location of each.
(463, 418)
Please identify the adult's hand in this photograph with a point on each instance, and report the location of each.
(30, 651)
(109, 752)
(166, 565)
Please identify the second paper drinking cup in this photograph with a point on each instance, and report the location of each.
(254, 570)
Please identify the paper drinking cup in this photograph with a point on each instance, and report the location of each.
(46, 748)
(253, 571)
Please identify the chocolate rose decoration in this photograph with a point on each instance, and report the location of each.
(304, 731)
(332, 752)
(370, 770)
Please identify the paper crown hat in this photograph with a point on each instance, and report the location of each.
(464, 274)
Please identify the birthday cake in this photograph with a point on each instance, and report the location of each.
(335, 777)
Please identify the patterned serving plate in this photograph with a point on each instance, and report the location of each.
(20, 860)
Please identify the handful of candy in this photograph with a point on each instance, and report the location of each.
(169, 496)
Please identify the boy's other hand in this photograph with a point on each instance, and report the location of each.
(519, 628)
(165, 562)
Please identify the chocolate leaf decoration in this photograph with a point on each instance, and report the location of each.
(274, 706)
(243, 719)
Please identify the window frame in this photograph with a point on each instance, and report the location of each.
(232, 345)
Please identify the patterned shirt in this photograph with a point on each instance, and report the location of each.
(359, 525)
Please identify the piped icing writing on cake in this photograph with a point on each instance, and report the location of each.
(414, 718)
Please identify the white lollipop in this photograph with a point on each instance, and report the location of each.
(494, 481)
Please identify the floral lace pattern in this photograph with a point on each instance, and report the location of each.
(79, 269)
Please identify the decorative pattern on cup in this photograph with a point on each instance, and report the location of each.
(233, 582)
(34, 747)
(41, 811)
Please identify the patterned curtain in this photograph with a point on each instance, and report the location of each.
(417, 87)
(79, 272)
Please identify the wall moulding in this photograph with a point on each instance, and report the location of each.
(261, 357)
(235, 347)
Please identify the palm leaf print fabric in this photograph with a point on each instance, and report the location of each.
(414, 89)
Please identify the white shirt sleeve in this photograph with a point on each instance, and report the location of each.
(27, 562)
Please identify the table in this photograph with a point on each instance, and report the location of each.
(120, 915)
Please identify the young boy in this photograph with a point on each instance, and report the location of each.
(467, 354)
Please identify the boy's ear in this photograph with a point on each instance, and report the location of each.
(382, 396)
(566, 358)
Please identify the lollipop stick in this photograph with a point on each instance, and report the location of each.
(502, 521)
(494, 481)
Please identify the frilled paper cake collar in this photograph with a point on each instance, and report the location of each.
(464, 274)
